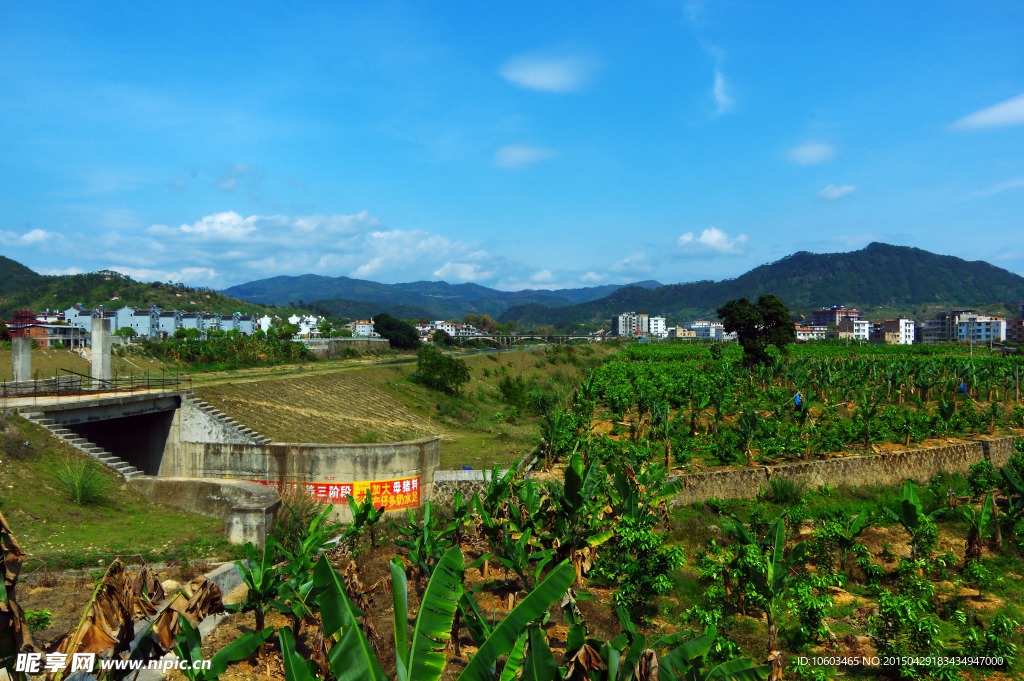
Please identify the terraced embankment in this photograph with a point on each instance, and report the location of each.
(342, 406)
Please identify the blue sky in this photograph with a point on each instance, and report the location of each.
(518, 145)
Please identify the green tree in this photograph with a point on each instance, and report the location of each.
(126, 332)
(441, 337)
(758, 325)
(438, 372)
(402, 335)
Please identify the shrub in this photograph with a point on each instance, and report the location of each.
(441, 373)
(541, 402)
(982, 477)
(786, 491)
(38, 620)
(82, 479)
(639, 563)
(298, 510)
(514, 391)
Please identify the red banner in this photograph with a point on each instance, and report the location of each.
(394, 495)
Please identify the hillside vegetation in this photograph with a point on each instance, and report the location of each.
(897, 278)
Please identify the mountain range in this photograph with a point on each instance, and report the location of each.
(419, 299)
(894, 278)
(879, 279)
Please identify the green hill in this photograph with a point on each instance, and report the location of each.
(21, 288)
(895, 278)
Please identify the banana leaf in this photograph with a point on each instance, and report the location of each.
(434, 620)
(504, 636)
(540, 663)
(351, 658)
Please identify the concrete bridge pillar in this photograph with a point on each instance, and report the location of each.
(101, 349)
(21, 359)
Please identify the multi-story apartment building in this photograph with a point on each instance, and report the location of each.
(706, 330)
(1015, 330)
(852, 328)
(981, 329)
(943, 328)
(829, 316)
(681, 332)
(808, 332)
(631, 324)
(656, 327)
(895, 331)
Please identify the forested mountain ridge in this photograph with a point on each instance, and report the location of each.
(879, 275)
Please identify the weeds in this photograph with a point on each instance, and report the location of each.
(786, 491)
(83, 481)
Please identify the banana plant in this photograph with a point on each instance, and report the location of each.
(867, 409)
(666, 427)
(190, 651)
(979, 520)
(910, 514)
(426, 542)
(418, 657)
(294, 581)
(847, 539)
(774, 582)
(365, 516)
(262, 579)
(748, 425)
(574, 519)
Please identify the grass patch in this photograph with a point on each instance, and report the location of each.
(62, 535)
(786, 491)
(82, 480)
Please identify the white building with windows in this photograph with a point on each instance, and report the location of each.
(363, 328)
(656, 327)
(703, 330)
(981, 330)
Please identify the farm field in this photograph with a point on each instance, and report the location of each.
(347, 404)
(821, 400)
(46, 362)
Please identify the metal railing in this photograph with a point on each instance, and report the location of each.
(74, 383)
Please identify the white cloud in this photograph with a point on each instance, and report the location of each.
(996, 189)
(833, 192)
(811, 153)
(458, 271)
(637, 262)
(521, 155)
(721, 92)
(712, 241)
(591, 277)
(548, 73)
(543, 277)
(53, 271)
(188, 275)
(1010, 112)
(35, 236)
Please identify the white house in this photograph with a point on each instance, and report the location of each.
(363, 328)
(656, 326)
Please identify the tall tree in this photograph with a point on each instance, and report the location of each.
(402, 335)
(758, 325)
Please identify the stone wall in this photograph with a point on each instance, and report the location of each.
(919, 465)
(335, 347)
(446, 483)
(248, 508)
(287, 464)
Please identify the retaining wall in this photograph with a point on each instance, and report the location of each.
(335, 347)
(920, 465)
(328, 471)
(446, 483)
(248, 508)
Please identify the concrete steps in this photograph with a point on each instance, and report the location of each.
(229, 422)
(116, 464)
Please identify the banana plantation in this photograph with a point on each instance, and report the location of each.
(701, 405)
(575, 565)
